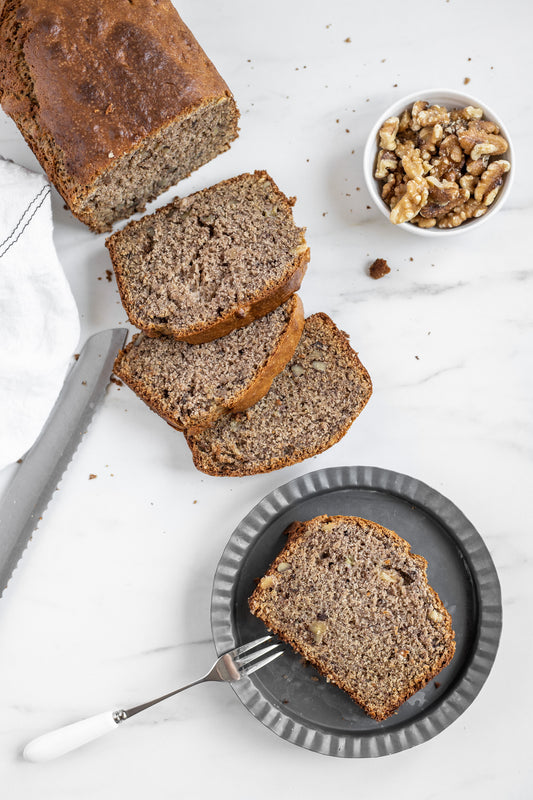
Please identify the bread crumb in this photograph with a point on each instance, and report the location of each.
(92, 476)
(348, 40)
(466, 80)
(76, 356)
(379, 268)
(116, 381)
(108, 275)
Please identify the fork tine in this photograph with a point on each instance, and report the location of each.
(244, 647)
(241, 661)
(253, 667)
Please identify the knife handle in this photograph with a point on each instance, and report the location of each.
(57, 743)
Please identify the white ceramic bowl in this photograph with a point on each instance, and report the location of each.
(449, 99)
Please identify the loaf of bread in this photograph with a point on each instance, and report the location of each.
(116, 99)
(309, 407)
(195, 384)
(207, 264)
(351, 598)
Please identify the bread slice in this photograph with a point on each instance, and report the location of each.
(349, 596)
(194, 384)
(215, 261)
(117, 100)
(309, 407)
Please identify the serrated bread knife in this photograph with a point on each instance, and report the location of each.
(27, 495)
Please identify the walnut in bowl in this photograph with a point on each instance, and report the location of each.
(438, 161)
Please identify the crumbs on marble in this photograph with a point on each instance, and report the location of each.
(108, 275)
(378, 269)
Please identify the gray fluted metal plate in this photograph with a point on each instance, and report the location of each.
(290, 697)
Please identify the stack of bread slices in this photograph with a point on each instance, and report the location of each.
(225, 354)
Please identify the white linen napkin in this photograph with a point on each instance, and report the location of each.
(39, 323)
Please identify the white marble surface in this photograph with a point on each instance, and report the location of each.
(111, 602)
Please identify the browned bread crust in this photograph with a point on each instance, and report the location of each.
(88, 82)
(310, 406)
(164, 356)
(351, 598)
(127, 249)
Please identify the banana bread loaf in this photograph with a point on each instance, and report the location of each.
(309, 407)
(349, 596)
(194, 384)
(212, 262)
(115, 97)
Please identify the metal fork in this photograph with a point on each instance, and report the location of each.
(232, 666)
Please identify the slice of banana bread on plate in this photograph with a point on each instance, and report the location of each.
(349, 596)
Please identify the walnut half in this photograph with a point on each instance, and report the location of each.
(412, 202)
(490, 182)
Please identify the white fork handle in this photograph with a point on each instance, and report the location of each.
(57, 743)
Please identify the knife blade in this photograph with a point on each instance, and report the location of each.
(28, 494)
